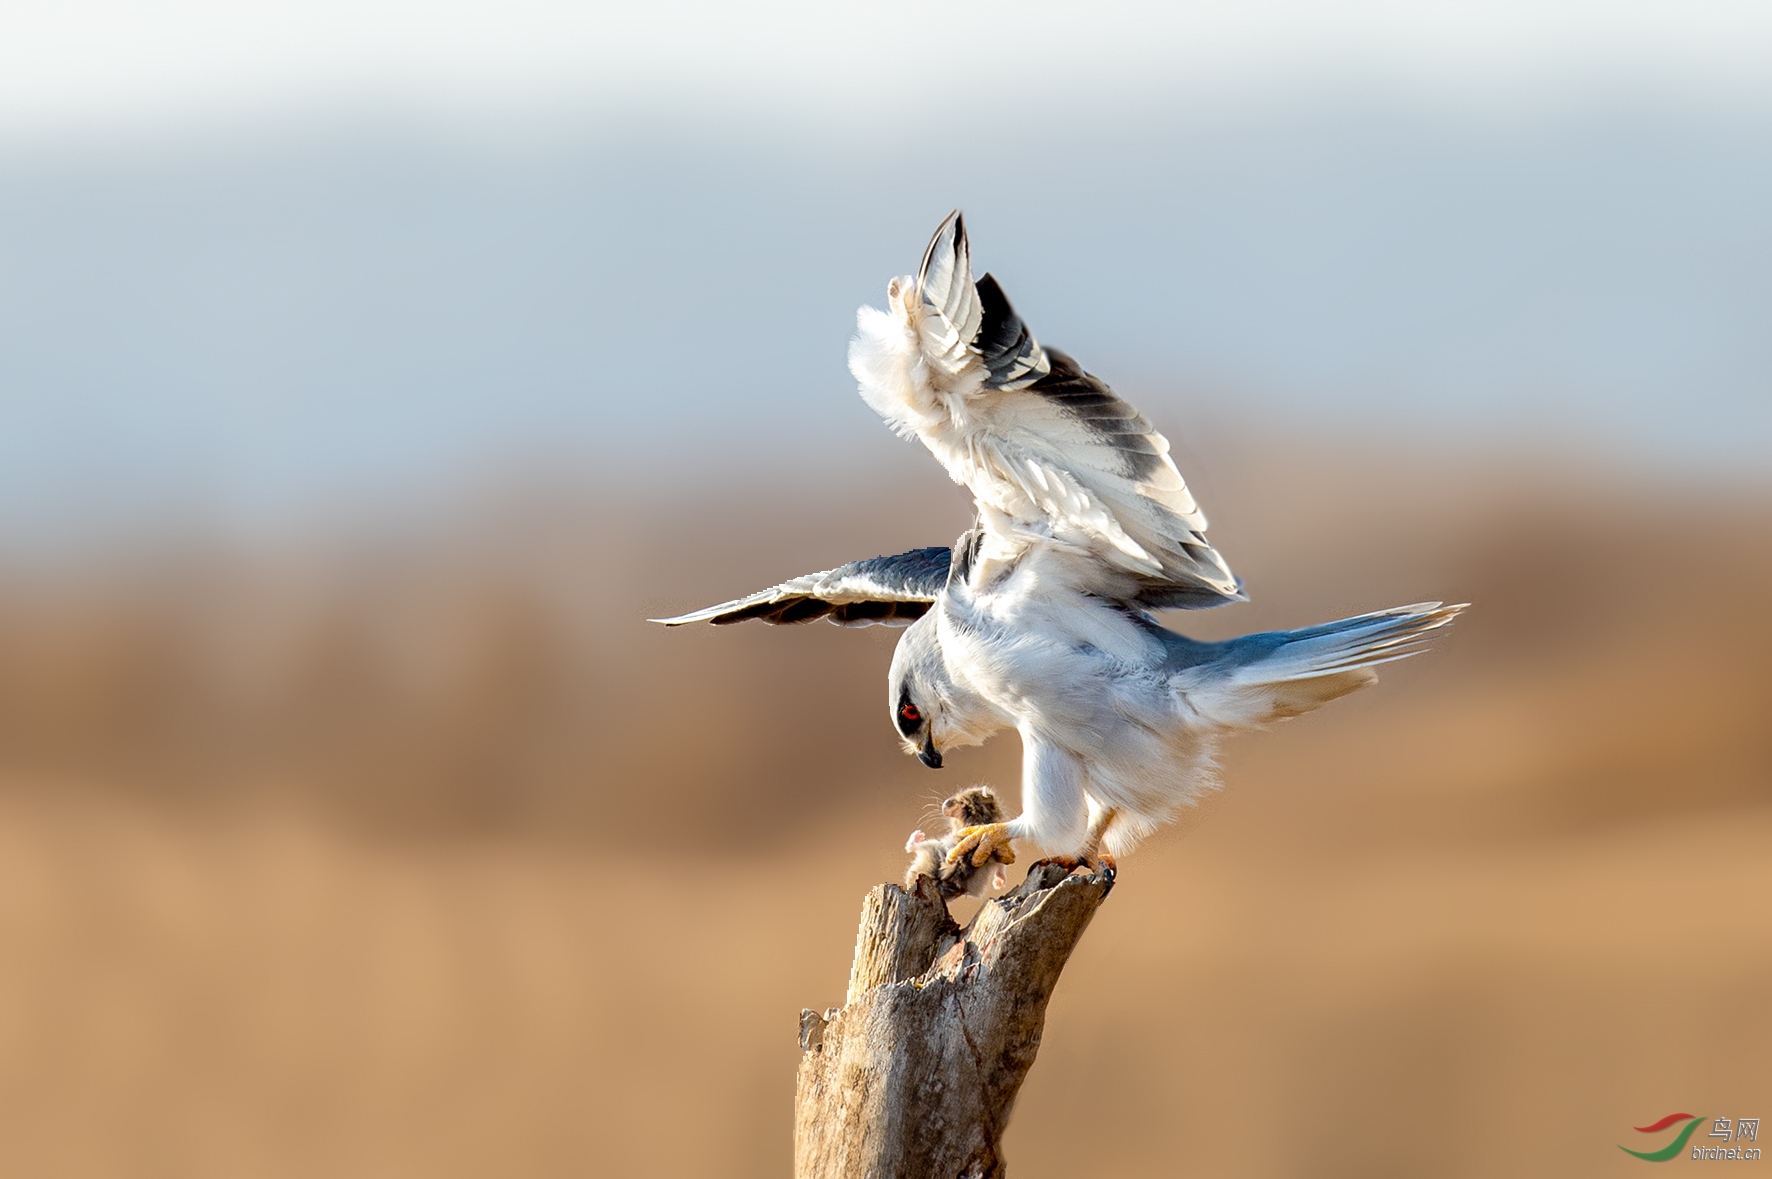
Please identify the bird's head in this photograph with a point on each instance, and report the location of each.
(928, 711)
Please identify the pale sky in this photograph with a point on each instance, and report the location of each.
(81, 65)
(254, 322)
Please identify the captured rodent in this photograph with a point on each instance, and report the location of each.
(973, 807)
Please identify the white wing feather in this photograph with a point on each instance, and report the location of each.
(1048, 452)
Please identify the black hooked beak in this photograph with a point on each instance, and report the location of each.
(929, 755)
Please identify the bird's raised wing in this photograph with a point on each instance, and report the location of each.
(1047, 450)
(889, 591)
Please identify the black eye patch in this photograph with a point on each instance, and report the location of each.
(907, 717)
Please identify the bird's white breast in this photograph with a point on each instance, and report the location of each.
(1046, 654)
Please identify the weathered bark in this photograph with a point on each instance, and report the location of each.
(915, 1075)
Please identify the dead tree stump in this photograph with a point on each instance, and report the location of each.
(915, 1075)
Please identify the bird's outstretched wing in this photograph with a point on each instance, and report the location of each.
(889, 591)
(1047, 450)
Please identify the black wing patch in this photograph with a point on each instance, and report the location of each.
(1010, 353)
(888, 591)
(1015, 360)
(1089, 400)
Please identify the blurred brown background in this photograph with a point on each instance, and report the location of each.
(369, 372)
(429, 861)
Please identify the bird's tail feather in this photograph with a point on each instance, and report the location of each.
(1361, 641)
(1285, 673)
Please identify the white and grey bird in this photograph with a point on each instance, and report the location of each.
(1038, 618)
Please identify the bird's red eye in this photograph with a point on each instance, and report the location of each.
(910, 713)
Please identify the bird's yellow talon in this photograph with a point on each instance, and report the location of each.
(988, 842)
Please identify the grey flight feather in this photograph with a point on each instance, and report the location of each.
(887, 591)
(884, 591)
